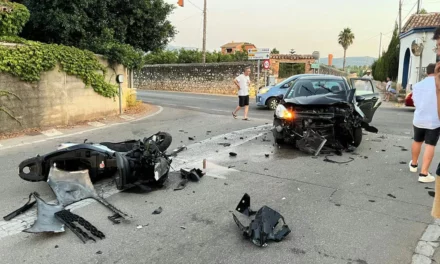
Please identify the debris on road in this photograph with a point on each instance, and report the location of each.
(69, 219)
(225, 144)
(267, 155)
(158, 211)
(46, 220)
(326, 159)
(193, 175)
(432, 194)
(262, 227)
(392, 196)
(182, 227)
(190, 138)
(232, 154)
(21, 210)
(99, 252)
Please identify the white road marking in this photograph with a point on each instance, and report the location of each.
(51, 133)
(126, 117)
(194, 107)
(140, 94)
(194, 154)
(82, 132)
(96, 124)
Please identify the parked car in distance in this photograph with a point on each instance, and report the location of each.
(268, 96)
(409, 101)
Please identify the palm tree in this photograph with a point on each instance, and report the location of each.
(346, 38)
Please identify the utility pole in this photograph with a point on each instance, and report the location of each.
(204, 32)
(400, 16)
(380, 45)
(418, 6)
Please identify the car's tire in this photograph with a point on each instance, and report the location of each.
(164, 141)
(272, 103)
(357, 136)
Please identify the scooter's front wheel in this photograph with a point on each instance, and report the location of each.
(163, 141)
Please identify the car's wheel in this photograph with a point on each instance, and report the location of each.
(272, 103)
(357, 136)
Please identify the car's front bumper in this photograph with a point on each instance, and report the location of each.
(260, 100)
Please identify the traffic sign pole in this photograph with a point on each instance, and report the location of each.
(258, 78)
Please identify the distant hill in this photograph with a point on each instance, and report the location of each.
(350, 61)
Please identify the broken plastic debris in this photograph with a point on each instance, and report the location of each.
(99, 252)
(267, 155)
(326, 159)
(46, 220)
(158, 210)
(190, 138)
(139, 227)
(232, 154)
(21, 210)
(225, 144)
(262, 227)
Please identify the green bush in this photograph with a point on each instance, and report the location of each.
(13, 17)
(28, 60)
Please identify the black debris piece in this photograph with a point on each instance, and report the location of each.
(116, 218)
(193, 175)
(99, 252)
(22, 209)
(392, 196)
(402, 162)
(266, 169)
(404, 149)
(241, 138)
(267, 155)
(376, 140)
(232, 154)
(365, 157)
(383, 150)
(431, 193)
(190, 138)
(181, 130)
(326, 159)
(226, 138)
(56, 246)
(338, 204)
(231, 166)
(182, 227)
(262, 227)
(429, 188)
(208, 131)
(372, 201)
(266, 140)
(226, 183)
(158, 211)
(69, 219)
(225, 144)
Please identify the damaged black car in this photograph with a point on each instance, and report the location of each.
(325, 111)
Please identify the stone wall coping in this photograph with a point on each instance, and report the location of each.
(197, 64)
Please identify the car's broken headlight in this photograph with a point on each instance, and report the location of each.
(282, 113)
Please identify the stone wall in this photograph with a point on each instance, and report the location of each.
(214, 78)
(324, 69)
(57, 99)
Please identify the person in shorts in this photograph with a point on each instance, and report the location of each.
(389, 89)
(243, 82)
(426, 124)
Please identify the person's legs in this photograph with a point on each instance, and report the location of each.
(240, 105)
(246, 107)
(431, 139)
(419, 137)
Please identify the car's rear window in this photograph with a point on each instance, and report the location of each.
(316, 87)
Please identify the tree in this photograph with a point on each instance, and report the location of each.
(275, 51)
(423, 11)
(89, 24)
(388, 64)
(346, 38)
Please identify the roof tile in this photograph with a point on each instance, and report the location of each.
(422, 20)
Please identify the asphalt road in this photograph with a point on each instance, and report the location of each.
(370, 210)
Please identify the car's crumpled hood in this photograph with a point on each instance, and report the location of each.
(323, 99)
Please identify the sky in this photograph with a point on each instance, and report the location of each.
(303, 25)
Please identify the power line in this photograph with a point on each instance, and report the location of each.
(410, 10)
(195, 5)
(198, 14)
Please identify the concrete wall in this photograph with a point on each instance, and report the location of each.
(57, 99)
(214, 78)
(428, 56)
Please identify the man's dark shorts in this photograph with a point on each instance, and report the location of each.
(429, 136)
(243, 100)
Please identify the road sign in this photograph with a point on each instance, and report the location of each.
(315, 66)
(259, 54)
(266, 64)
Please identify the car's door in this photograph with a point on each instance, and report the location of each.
(367, 96)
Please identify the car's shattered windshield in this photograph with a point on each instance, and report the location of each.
(316, 87)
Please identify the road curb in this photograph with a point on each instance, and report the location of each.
(54, 134)
(427, 245)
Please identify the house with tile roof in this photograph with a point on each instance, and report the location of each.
(418, 26)
(232, 47)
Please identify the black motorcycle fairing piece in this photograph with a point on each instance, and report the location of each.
(22, 209)
(262, 227)
(72, 187)
(72, 158)
(46, 220)
(69, 219)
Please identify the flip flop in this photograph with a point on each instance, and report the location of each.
(234, 115)
(246, 119)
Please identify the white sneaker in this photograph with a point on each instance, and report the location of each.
(411, 168)
(426, 179)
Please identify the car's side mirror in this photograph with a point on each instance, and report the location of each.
(285, 85)
(360, 98)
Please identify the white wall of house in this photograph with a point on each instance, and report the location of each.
(427, 58)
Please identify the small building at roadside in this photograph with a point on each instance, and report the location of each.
(419, 26)
(232, 47)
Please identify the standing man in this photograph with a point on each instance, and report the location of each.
(389, 89)
(243, 82)
(368, 75)
(426, 124)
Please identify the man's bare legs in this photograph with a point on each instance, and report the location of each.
(246, 109)
(236, 110)
(428, 155)
(416, 149)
